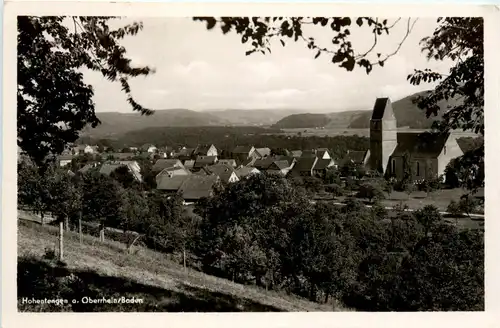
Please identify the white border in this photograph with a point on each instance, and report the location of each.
(348, 319)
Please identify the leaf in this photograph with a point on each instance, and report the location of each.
(282, 43)
(359, 21)
(317, 55)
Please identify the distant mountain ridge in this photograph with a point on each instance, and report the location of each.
(115, 123)
(407, 114)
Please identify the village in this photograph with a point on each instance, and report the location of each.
(195, 172)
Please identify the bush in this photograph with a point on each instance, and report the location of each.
(454, 209)
(371, 191)
(335, 189)
(468, 204)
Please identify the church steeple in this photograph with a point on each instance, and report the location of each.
(383, 134)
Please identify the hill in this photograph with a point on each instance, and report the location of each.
(308, 120)
(114, 123)
(98, 270)
(407, 114)
(406, 111)
(252, 116)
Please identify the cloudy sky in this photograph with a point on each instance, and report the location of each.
(204, 70)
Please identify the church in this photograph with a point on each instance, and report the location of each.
(429, 152)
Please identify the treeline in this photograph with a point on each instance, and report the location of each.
(265, 231)
(227, 138)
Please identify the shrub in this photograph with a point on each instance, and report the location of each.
(468, 204)
(335, 189)
(371, 191)
(454, 209)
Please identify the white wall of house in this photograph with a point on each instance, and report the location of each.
(64, 162)
(212, 151)
(233, 178)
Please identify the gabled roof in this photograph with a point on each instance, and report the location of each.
(164, 182)
(379, 108)
(322, 164)
(321, 152)
(186, 152)
(204, 161)
(164, 163)
(231, 162)
(224, 171)
(296, 153)
(355, 156)
(198, 186)
(202, 149)
(263, 164)
(88, 167)
(242, 149)
(305, 164)
(245, 171)
(423, 144)
(108, 168)
(189, 163)
(263, 151)
(279, 165)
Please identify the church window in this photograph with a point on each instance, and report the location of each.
(393, 168)
(418, 169)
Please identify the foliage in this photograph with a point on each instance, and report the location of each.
(468, 204)
(53, 102)
(428, 217)
(371, 191)
(124, 177)
(334, 189)
(454, 209)
(461, 40)
(259, 32)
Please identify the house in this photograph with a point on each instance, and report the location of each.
(149, 148)
(87, 167)
(164, 163)
(110, 167)
(280, 167)
(185, 154)
(205, 150)
(296, 153)
(170, 184)
(189, 164)
(321, 166)
(202, 161)
(243, 153)
(195, 187)
(226, 173)
(119, 156)
(85, 149)
(356, 157)
(245, 171)
(323, 153)
(309, 153)
(65, 160)
(230, 162)
(263, 152)
(304, 166)
(428, 153)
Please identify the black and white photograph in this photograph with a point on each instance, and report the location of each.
(250, 163)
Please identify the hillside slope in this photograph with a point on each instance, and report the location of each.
(407, 114)
(99, 270)
(114, 123)
(309, 120)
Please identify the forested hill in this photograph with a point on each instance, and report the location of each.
(407, 113)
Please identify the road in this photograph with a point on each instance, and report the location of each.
(390, 208)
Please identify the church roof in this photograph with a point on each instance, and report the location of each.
(420, 144)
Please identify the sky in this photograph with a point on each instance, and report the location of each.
(199, 69)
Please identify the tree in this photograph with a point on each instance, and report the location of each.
(53, 102)
(371, 191)
(468, 204)
(123, 175)
(461, 40)
(428, 217)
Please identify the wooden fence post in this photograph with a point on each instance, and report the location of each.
(61, 240)
(101, 232)
(80, 234)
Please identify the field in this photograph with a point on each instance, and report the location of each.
(331, 132)
(103, 269)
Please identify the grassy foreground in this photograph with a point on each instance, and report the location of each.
(96, 270)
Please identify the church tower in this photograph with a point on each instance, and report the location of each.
(383, 134)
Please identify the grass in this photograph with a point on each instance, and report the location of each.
(98, 270)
